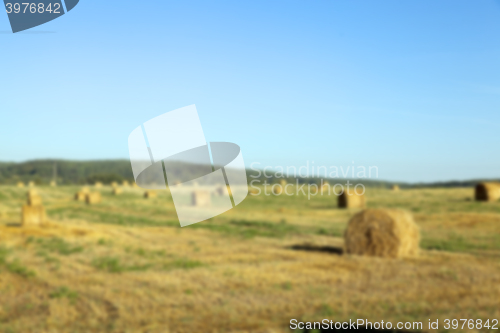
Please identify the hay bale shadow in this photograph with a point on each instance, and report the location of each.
(316, 248)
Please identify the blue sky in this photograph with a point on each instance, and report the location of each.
(412, 87)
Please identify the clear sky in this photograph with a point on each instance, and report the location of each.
(412, 87)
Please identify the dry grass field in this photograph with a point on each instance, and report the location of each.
(125, 265)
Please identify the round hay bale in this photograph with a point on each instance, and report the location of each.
(324, 186)
(32, 192)
(20, 184)
(395, 188)
(487, 192)
(200, 198)
(390, 233)
(98, 185)
(80, 196)
(150, 194)
(114, 184)
(283, 182)
(117, 191)
(93, 198)
(351, 199)
(33, 215)
(125, 183)
(220, 191)
(277, 189)
(253, 191)
(34, 200)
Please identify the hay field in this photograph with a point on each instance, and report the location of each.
(125, 265)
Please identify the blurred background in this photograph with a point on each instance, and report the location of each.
(410, 88)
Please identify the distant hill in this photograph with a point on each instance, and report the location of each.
(68, 172)
(107, 171)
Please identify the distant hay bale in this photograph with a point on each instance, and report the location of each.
(34, 200)
(283, 182)
(93, 198)
(53, 183)
(390, 233)
(395, 188)
(80, 196)
(220, 191)
(117, 191)
(33, 212)
(85, 190)
(325, 187)
(253, 191)
(98, 185)
(20, 184)
(114, 184)
(277, 189)
(200, 198)
(351, 199)
(487, 192)
(150, 194)
(125, 183)
(31, 184)
(33, 215)
(134, 185)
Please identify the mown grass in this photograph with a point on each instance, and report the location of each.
(249, 229)
(14, 266)
(237, 227)
(124, 219)
(258, 283)
(57, 245)
(64, 292)
(458, 243)
(115, 265)
(182, 264)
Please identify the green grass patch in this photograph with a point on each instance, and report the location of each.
(3, 254)
(14, 266)
(250, 229)
(59, 245)
(458, 243)
(104, 242)
(64, 292)
(114, 265)
(182, 264)
(123, 219)
(332, 232)
(17, 268)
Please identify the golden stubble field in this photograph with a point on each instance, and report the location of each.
(125, 265)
